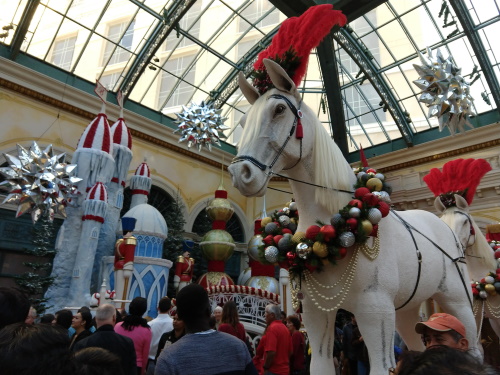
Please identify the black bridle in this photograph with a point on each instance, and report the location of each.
(472, 231)
(298, 115)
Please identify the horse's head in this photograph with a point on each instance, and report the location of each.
(458, 219)
(270, 142)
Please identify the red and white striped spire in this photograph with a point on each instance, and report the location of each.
(121, 134)
(143, 170)
(95, 204)
(97, 135)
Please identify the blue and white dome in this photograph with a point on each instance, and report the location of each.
(149, 221)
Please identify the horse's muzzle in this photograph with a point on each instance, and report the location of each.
(248, 178)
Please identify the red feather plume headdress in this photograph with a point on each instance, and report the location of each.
(294, 41)
(461, 176)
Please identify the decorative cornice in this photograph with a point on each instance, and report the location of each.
(442, 155)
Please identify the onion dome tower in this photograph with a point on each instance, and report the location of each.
(94, 212)
(122, 154)
(262, 274)
(94, 164)
(140, 184)
(217, 245)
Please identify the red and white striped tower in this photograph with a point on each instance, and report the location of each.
(140, 184)
(122, 154)
(94, 164)
(94, 212)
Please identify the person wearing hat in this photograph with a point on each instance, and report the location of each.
(443, 329)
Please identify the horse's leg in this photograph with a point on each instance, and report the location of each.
(320, 327)
(405, 324)
(377, 329)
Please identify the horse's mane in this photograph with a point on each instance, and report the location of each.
(331, 170)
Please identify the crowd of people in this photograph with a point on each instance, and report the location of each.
(195, 341)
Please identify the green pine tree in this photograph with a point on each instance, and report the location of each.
(36, 281)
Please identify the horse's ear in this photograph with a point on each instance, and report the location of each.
(250, 92)
(439, 206)
(279, 77)
(461, 203)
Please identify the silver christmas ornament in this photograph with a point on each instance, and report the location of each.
(335, 219)
(201, 125)
(293, 206)
(303, 251)
(489, 279)
(354, 212)
(380, 176)
(444, 91)
(271, 254)
(39, 182)
(286, 210)
(253, 247)
(347, 239)
(384, 196)
(483, 294)
(285, 244)
(284, 220)
(361, 174)
(271, 228)
(374, 215)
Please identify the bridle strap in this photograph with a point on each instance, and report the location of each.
(298, 115)
(472, 231)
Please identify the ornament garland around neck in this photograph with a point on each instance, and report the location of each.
(490, 284)
(323, 244)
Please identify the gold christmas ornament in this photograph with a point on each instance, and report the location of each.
(374, 184)
(220, 209)
(367, 227)
(265, 221)
(298, 237)
(320, 249)
(490, 288)
(217, 245)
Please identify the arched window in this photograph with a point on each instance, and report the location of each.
(158, 198)
(202, 224)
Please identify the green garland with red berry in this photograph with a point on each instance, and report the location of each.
(326, 243)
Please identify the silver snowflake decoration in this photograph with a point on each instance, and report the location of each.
(38, 181)
(201, 125)
(444, 91)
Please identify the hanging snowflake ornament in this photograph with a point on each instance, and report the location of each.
(444, 91)
(38, 181)
(201, 125)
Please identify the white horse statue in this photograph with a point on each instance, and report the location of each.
(384, 293)
(480, 257)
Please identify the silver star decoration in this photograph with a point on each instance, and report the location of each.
(444, 91)
(201, 125)
(39, 182)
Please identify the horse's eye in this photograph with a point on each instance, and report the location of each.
(279, 109)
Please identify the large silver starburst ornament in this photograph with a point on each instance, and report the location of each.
(444, 91)
(38, 181)
(201, 125)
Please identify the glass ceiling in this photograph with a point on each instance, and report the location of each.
(165, 54)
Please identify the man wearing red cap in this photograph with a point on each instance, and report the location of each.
(443, 329)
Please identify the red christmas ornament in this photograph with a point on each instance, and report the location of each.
(312, 232)
(483, 281)
(370, 199)
(352, 222)
(328, 232)
(342, 253)
(277, 238)
(356, 203)
(268, 240)
(497, 254)
(374, 232)
(360, 192)
(498, 271)
(371, 170)
(475, 292)
(383, 208)
(286, 230)
(291, 256)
